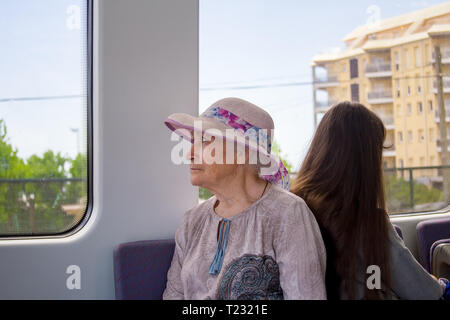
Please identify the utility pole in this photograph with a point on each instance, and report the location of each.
(314, 96)
(442, 122)
(77, 131)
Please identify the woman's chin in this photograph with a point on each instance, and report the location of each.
(195, 182)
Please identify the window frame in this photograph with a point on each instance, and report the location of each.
(89, 136)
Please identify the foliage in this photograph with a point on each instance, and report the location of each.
(204, 193)
(398, 194)
(277, 150)
(34, 190)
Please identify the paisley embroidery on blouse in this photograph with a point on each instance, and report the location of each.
(251, 277)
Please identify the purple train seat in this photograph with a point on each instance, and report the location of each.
(140, 269)
(433, 262)
(428, 232)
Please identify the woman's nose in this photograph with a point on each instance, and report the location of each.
(190, 154)
(194, 152)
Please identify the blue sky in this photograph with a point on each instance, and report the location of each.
(242, 42)
(41, 56)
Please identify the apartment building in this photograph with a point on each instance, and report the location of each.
(390, 68)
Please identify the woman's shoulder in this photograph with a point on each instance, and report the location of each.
(284, 203)
(286, 197)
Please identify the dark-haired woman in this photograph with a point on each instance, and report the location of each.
(341, 180)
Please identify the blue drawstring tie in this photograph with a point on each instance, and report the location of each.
(222, 240)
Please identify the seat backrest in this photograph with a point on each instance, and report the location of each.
(140, 269)
(398, 230)
(438, 250)
(428, 232)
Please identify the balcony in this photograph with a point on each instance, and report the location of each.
(447, 114)
(378, 70)
(445, 56)
(445, 83)
(380, 96)
(439, 147)
(326, 82)
(323, 106)
(388, 121)
(390, 149)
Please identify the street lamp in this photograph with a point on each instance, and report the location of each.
(77, 131)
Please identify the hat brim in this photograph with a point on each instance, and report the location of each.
(211, 127)
(185, 124)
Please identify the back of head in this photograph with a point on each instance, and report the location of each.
(341, 180)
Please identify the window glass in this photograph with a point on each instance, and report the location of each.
(43, 116)
(296, 60)
(353, 68)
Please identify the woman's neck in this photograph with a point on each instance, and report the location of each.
(237, 194)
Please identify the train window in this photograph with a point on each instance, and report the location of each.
(286, 60)
(44, 116)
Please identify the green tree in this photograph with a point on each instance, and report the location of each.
(77, 190)
(44, 199)
(398, 194)
(277, 150)
(32, 192)
(10, 167)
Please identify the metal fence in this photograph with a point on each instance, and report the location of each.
(415, 189)
(41, 205)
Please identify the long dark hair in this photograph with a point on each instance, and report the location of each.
(341, 180)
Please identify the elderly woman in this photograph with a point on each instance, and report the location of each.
(253, 239)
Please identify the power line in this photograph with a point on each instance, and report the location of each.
(40, 98)
(258, 80)
(276, 85)
(309, 83)
(249, 87)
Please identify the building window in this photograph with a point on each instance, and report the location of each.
(430, 105)
(396, 61)
(419, 108)
(353, 68)
(409, 109)
(419, 90)
(421, 135)
(399, 110)
(354, 88)
(410, 136)
(431, 133)
(406, 59)
(417, 56)
(410, 162)
(400, 137)
(408, 91)
(397, 86)
(400, 163)
(422, 161)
